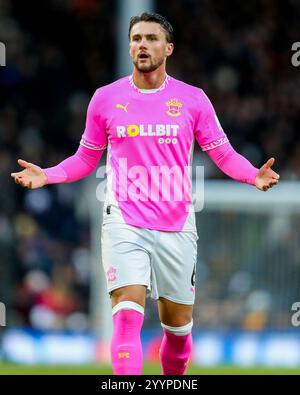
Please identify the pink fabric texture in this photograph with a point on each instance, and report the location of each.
(233, 164)
(175, 352)
(126, 346)
(77, 166)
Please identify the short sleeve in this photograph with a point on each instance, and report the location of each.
(208, 130)
(94, 136)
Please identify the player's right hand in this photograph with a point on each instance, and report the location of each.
(31, 177)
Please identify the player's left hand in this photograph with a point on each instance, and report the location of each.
(266, 178)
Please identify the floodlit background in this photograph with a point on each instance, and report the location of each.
(248, 269)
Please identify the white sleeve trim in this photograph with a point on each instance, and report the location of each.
(215, 143)
(85, 143)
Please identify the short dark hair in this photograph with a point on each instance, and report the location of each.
(153, 17)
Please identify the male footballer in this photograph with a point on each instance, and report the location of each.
(148, 123)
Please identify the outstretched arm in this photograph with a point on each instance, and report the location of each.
(77, 166)
(239, 168)
(213, 140)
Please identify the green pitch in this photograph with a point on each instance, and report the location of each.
(149, 369)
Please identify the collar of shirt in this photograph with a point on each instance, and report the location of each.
(162, 87)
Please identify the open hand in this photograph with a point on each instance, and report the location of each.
(31, 177)
(266, 178)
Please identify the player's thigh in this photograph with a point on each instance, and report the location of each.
(174, 267)
(132, 293)
(125, 260)
(174, 314)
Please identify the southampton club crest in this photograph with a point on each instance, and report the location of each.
(174, 108)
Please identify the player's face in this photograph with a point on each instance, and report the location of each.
(148, 46)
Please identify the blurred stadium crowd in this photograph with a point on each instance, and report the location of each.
(56, 57)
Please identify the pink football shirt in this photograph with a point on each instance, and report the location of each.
(150, 139)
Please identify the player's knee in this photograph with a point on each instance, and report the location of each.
(179, 330)
(136, 295)
(176, 319)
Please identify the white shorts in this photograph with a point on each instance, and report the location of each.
(165, 262)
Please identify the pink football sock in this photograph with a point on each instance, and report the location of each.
(126, 346)
(175, 352)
